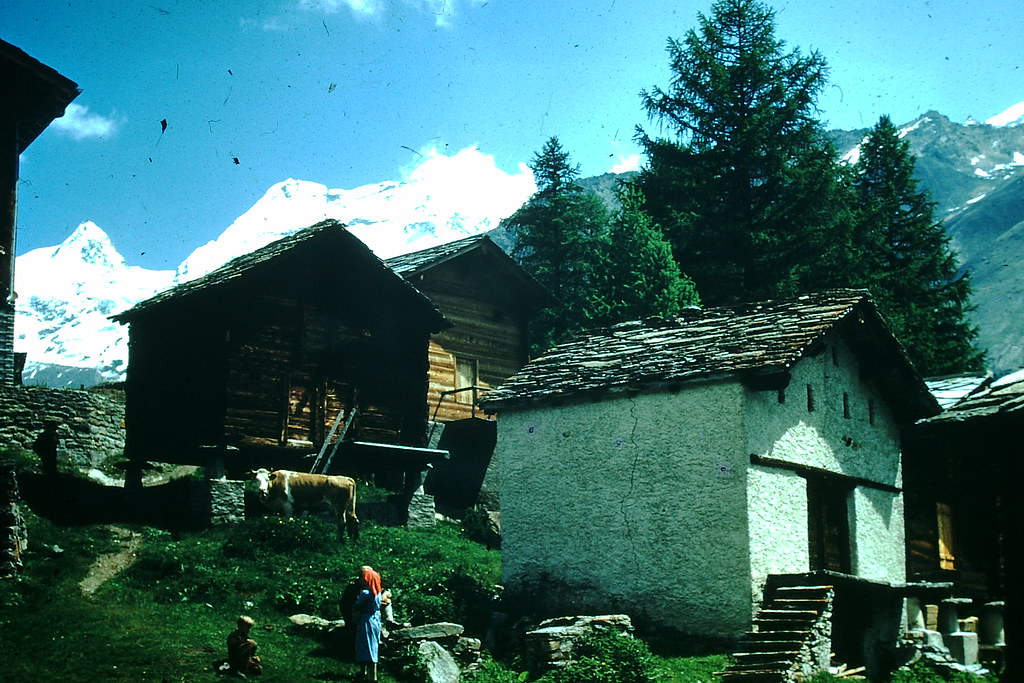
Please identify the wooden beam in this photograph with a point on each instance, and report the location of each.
(808, 471)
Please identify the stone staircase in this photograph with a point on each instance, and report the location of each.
(790, 639)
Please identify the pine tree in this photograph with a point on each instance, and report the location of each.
(746, 189)
(906, 260)
(642, 278)
(561, 237)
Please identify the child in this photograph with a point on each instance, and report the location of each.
(242, 658)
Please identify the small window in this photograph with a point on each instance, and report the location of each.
(810, 399)
(466, 375)
(944, 515)
(846, 405)
(781, 395)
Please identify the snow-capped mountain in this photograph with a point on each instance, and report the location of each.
(443, 199)
(67, 292)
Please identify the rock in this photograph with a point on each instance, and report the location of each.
(467, 651)
(315, 623)
(440, 666)
(552, 643)
(438, 631)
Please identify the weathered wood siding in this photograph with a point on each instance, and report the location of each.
(489, 325)
(269, 360)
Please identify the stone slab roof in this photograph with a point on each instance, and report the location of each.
(416, 261)
(756, 339)
(948, 390)
(34, 93)
(1003, 397)
(327, 234)
(500, 265)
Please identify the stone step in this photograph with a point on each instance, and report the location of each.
(795, 634)
(752, 676)
(766, 667)
(789, 614)
(781, 590)
(770, 645)
(770, 659)
(813, 604)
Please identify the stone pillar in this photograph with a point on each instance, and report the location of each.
(915, 615)
(991, 630)
(949, 614)
(227, 502)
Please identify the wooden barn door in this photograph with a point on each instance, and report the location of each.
(828, 523)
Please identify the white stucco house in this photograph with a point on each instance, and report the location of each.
(666, 468)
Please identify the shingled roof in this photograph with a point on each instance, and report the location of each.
(417, 262)
(757, 340)
(34, 93)
(1003, 397)
(324, 235)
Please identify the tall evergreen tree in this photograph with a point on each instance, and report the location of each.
(642, 277)
(746, 188)
(561, 238)
(906, 260)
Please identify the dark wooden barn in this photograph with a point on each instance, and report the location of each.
(31, 96)
(268, 357)
(962, 471)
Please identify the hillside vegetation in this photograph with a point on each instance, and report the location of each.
(166, 616)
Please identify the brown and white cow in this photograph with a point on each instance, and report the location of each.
(288, 492)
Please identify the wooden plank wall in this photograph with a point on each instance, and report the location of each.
(492, 333)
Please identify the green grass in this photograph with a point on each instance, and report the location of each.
(166, 617)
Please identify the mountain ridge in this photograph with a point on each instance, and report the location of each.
(971, 170)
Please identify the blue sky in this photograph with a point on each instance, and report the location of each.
(351, 92)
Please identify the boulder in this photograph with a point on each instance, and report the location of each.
(440, 666)
(314, 623)
(438, 631)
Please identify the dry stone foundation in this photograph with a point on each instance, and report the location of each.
(91, 425)
(15, 533)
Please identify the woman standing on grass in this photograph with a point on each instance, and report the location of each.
(367, 614)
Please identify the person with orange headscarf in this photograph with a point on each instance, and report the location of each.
(367, 617)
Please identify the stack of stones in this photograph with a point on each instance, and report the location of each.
(551, 645)
(12, 522)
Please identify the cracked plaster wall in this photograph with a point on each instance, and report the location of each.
(648, 504)
(636, 503)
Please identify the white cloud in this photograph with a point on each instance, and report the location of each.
(80, 124)
(365, 8)
(442, 10)
(469, 182)
(627, 164)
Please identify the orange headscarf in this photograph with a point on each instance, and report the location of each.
(371, 578)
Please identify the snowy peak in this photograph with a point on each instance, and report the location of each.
(88, 245)
(1014, 116)
(441, 199)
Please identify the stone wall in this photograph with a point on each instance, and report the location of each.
(91, 425)
(6, 345)
(13, 533)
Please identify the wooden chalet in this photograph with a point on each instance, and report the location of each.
(962, 474)
(32, 95)
(310, 339)
(489, 300)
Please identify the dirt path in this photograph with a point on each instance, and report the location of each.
(111, 564)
